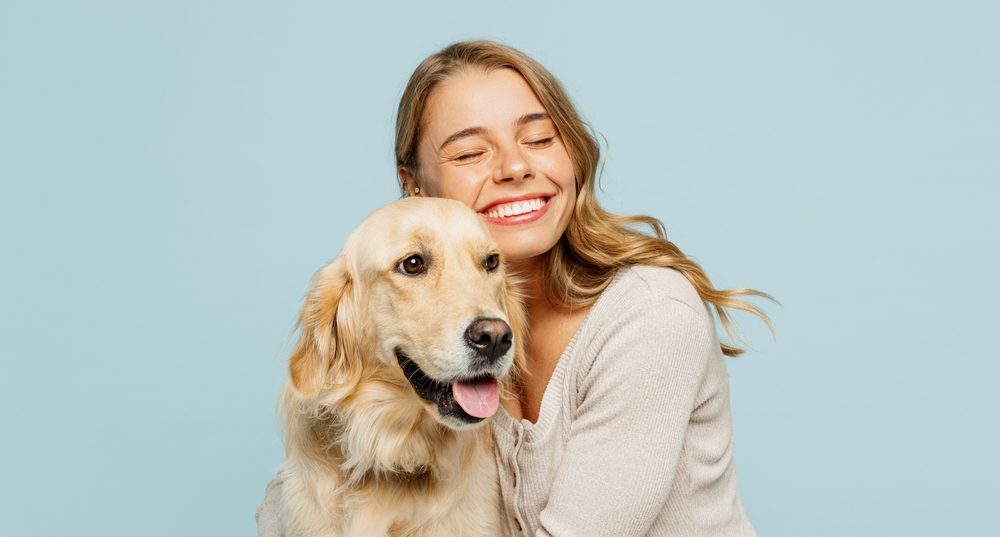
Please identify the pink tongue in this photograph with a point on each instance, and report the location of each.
(478, 400)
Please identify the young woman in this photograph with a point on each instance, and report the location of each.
(622, 426)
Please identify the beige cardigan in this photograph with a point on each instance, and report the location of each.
(634, 435)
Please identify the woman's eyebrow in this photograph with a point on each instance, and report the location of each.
(471, 131)
(528, 118)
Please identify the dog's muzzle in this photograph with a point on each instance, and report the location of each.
(469, 399)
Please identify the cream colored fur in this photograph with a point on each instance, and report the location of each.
(366, 456)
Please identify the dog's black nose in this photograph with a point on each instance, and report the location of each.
(490, 338)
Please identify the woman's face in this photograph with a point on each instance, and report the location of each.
(489, 143)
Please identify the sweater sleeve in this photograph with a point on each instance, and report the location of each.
(267, 511)
(634, 404)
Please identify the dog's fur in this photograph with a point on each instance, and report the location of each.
(366, 455)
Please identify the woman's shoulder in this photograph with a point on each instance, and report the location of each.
(646, 313)
(650, 303)
(659, 285)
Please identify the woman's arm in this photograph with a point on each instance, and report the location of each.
(626, 439)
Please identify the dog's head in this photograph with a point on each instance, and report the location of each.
(419, 298)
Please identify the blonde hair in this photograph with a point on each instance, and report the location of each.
(596, 243)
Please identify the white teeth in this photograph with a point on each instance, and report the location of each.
(515, 208)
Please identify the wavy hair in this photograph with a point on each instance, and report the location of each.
(596, 243)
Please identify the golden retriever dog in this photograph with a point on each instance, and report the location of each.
(404, 339)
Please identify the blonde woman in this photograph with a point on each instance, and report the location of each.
(622, 426)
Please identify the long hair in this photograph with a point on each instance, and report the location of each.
(596, 243)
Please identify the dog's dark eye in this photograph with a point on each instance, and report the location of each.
(491, 262)
(412, 265)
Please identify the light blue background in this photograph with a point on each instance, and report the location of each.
(174, 172)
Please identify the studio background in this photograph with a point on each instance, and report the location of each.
(174, 172)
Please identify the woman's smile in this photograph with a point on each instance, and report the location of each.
(518, 211)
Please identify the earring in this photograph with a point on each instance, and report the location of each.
(416, 190)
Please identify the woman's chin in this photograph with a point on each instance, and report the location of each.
(521, 253)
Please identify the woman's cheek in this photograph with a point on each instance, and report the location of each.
(459, 187)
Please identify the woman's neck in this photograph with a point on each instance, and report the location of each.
(551, 328)
(534, 285)
(531, 274)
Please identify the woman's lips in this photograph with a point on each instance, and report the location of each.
(517, 212)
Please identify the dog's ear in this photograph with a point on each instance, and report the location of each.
(317, 348)
(512, 300)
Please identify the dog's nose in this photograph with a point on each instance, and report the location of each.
(490, 338)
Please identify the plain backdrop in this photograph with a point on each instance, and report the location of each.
(174, 172)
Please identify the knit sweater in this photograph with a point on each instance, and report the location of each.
(634, 435)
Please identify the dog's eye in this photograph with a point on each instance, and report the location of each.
(412, 265)
(491, 262)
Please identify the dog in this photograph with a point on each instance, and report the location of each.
(405, 339)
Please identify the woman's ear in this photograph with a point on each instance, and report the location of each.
(408, 182)
(310, 362)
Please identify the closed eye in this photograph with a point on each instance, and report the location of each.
(465, 157)
(542, 142)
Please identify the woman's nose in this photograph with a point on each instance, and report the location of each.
(512, 165)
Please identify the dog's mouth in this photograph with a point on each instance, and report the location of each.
(470, 399)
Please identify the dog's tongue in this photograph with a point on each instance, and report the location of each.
(479, 400)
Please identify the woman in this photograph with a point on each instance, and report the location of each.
(622, 426)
